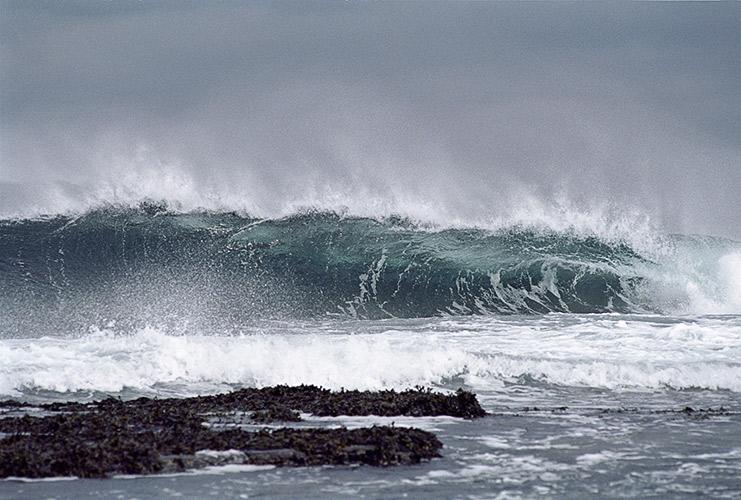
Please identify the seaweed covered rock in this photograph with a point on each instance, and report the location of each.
(145, 435)
(311, 399)
(84, 453)
(415, 403)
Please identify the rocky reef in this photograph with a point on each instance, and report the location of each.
(144, 435)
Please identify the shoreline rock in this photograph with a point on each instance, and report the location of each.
(145, 436)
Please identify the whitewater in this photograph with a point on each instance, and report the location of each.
(607, 353)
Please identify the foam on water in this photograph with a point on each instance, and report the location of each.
(695, 277)
(729, 272)
(607, 351)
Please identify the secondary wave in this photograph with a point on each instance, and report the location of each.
(147, 265)
(485, 353)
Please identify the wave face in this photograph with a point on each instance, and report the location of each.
(147, 265)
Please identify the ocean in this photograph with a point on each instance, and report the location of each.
(608, 358)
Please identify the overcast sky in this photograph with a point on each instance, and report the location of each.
(431, 109)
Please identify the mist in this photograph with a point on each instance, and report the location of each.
(447, 112)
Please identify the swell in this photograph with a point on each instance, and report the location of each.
(147, 265)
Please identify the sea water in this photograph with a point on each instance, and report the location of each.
(597, 353)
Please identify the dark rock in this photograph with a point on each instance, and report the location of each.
(146, 436)
(278, 412)
(9, 403)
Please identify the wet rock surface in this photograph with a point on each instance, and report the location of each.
(145, 435)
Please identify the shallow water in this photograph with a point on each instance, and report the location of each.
(581, 405)
(579, 453)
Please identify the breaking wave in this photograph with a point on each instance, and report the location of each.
(151, 266)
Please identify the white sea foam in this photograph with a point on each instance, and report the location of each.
(716, 290)
(688, 275)
(110, 363)
(729, 271)
(586, 351)
(589, 459)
